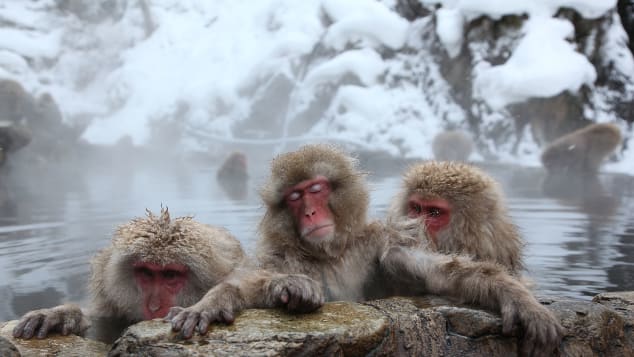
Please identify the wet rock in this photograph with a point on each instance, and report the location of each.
(592, 329)
(623, 304)
(59, 346)
(427, 326)
(339, 328)
(8, 349)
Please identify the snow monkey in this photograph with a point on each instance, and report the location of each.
(152, 264)
(452, 145)
(233, 175)
(234, 167)
(463, 212)
(581, 151)
(316, 245)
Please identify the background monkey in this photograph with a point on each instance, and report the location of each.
(233, 175)
(153, 263)
(581, 151)
(452, 145)
(316, 244)
(463, 211)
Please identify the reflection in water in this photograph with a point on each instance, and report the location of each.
(23, 302)
(576, 245)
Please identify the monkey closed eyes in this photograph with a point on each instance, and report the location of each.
(315, 241)
(153, 263)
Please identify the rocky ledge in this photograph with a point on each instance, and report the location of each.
(429, 326)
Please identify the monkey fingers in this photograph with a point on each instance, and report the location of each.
(36, 323)
(541, 330)
(298, 293)
(188, 320)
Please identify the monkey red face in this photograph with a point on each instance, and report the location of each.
(159, 284)
(308, 202)
(435, 213)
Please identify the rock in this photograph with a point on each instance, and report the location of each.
(339, 328)
(428, 326)
(8, 349)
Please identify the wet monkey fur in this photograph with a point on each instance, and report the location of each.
(152, 264)
(316, 245)
(463, 211)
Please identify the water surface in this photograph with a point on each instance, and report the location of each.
(580, 236)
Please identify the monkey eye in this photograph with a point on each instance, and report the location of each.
(294, 196)
(170, 274)
(315, 188)
(144, 272)
(415, 208)
(434, 211)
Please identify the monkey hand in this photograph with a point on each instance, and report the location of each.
(65, 319)
(542, 331)
(298, 293)
(219, 305)
(406, 231)
(197, 318)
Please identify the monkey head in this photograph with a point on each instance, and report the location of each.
(462, 209)
(234, 167)
(155, 263)
(316, 199)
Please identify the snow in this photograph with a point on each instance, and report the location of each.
(527, 75)
(498, 8)
(366, 64)
(364, 20)
(207, 55)
(449, 29)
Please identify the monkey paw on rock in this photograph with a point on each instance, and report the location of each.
(296, 292)
(65, 319)
(541, 330)
(197, 318)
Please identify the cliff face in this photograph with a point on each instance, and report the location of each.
(428, 326)
(540, 108)
(383, 74)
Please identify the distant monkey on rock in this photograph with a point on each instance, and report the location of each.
(316, 245)
(452, 145)
(583, 150)
(153, 263)
(463, 211)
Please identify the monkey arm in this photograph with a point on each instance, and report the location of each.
(247, 289)
(65, 319)
(484, 283)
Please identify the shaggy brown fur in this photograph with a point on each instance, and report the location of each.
(583, 150)
(296, 273)
(479, 226)
(452, 145)
(210, 254)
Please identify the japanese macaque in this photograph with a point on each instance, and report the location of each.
(463, 212)
(153, 263)
(316, 245)
(233, 175)
(13, 136)
(15, 103)
(583, 150)
(452, 145)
